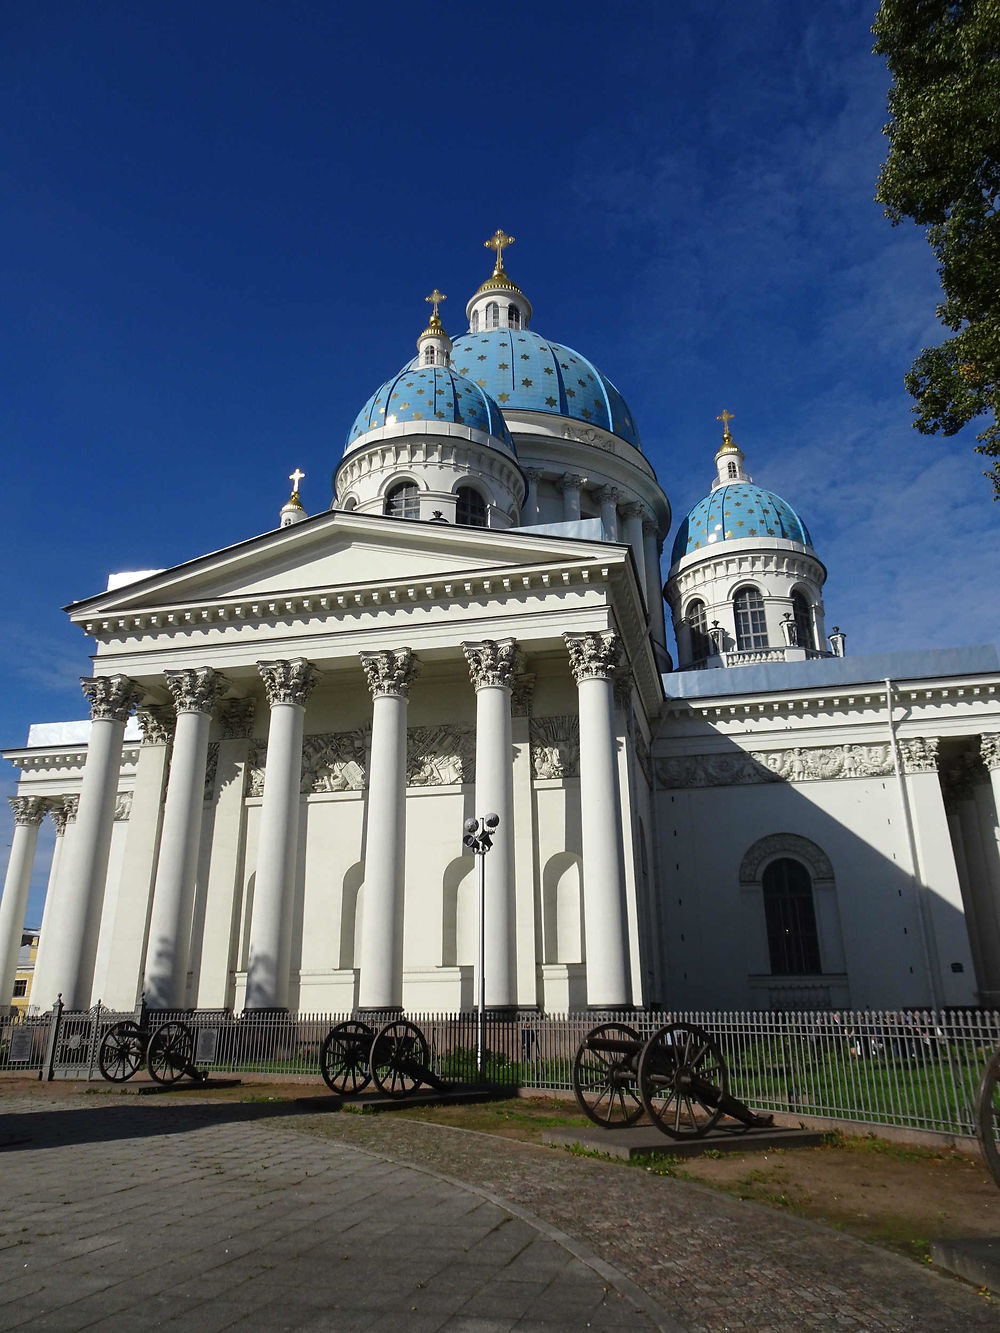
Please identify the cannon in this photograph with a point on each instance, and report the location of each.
(167, 1051)
(678, 1078)
(988, 1115)
(395, 1058)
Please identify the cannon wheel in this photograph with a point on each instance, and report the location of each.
(988, 1116)
(682, 1080)
(398, 1058)
(343, 1058)
(169, 1054)
(604, 1081)
(121, 1051)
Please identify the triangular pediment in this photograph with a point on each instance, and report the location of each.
(337, 550)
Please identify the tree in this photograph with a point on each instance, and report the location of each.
(943, 172)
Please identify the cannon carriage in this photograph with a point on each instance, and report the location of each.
(395, 1058)
(678, 1078)
(165, 1048)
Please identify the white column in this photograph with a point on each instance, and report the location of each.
(390, 675)
(529, 514)
(81, 894)
(287, 686)
(569, 483)
(633, 514)
(525, 894)
(654, 583)
(63, 810)
(989, 748)
(492, 664)
(196, 692)
(593, 660)
(609, 498)
(142, 846)
(28, 814)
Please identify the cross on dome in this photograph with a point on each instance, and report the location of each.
(499, 241)
(435, 299)
(295, 477)
(725, 417)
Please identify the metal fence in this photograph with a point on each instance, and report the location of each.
(909, 1069)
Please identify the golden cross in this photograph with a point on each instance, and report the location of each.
(295, 477)
(435, 299)
(725, 417)
(498, 241)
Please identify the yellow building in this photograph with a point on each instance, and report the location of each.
(25, 971)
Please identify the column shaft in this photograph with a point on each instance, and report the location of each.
(633, 535)
(654, 584)
(381, 961)
(28, 812)
(570, 485)
(43, 988)
(495, 795)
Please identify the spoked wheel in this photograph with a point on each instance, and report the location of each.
(605, 1083)
(171, 1048)
(343, 1058)
(988, 1116)
(398, 1058)
(121, 1052)
(682, 1080)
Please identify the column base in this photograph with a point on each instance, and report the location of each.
(384, 1013)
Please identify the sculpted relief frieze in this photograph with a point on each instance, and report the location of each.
(739, 768)
(555, 747)
(335, 762)
(441, 756)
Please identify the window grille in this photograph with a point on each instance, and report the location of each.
(701, 643)
(403, 501)
(751, 625)
(470, 508)
(792, 939)
(802, 615)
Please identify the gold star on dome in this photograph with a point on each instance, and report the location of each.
(549, 370)
(404, 405)
(503, 366)
(463, 370)
(586, 413)
(481, 383)
(503, 397)
(524, 355)
(550, 402)
(418, 416)
(571, 393)
(526, 384)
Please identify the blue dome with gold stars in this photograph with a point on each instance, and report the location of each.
(524, 371)
(735, 511)
(430, 394)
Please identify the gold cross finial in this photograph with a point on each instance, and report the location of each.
(295, 477)
(435, 299)
(498, 242)
(725, 417)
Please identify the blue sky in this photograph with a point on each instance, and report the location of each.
(220, 221)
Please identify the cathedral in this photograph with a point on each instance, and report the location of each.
(264, 810)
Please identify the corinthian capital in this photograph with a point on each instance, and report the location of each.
(593, 656)
(569, 481)
(71, 807)
(156, 723)
(390, 673)
(289, 682)
(989, 748)
(111, 698)
(27, 809)
(196, 689)
(60, 814)
(634, 509)
(492, 662)
(919, 755)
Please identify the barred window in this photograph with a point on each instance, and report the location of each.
(802, 615)
(474, 326)
(492, 315)
(751, 626)
(513, 317)
(470, 508)
(403, 501)
(792, 938)
(701, 643)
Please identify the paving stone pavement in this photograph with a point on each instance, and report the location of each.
(120, 1215)
(214, 1216)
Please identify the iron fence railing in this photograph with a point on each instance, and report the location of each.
(910, 1069)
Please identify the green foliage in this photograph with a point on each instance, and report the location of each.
(943, 172)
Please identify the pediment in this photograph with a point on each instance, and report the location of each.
(336, 550)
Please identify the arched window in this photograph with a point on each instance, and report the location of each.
(792, 938)
(493, 315)
(732, 469)
(701, 643)
(513, 317)
(802, 615)
(403, 501)
(751, 626)
(470, 508)
(474, 326)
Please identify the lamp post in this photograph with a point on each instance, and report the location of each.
(478, 834)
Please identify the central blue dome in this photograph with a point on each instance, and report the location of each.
(432, 393)
(735, 511)
(525, 371)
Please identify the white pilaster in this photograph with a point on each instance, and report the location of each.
(28, 814)
(525, 889)
(142, 846)
(633, 514)
(593, 659)
(569, 483)
(287, 686)
(492, 663)
(196, 692)
(389, 675)
(81, 895)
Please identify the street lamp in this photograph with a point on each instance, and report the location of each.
(477, 834)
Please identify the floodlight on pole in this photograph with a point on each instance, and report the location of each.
(477, 835)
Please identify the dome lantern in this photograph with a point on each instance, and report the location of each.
(292, 510)
(498, 303)
(729, 460)
(434, 345)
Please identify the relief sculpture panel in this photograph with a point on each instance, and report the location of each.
(555, 746)
(441, 756)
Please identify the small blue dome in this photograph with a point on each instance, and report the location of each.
(432, 393)
(523, 370)
(735, 511)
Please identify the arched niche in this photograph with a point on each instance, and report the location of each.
(351, 913)
(562, 909)
(460, 913)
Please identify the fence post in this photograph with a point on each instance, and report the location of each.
(94, 1039)
(50, 1054)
